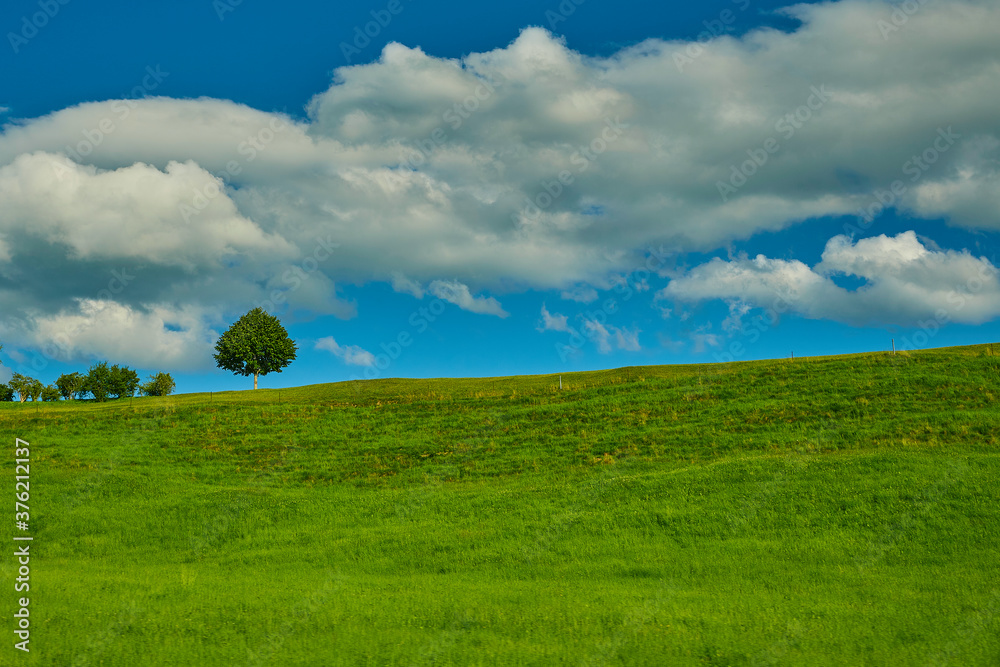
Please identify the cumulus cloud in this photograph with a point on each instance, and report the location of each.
(404, 285)
(131, 212)
(608, 338)
(552, 322)
(599, 334)
(971, 194)
(702, 341)
(580, 294)
(413, 150)
(904, 283)
(352, 355)
(528, 166)
(734, 322)
(455, 292)
(627, 339)
(155, 337)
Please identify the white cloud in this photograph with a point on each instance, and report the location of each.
(352, 355)
(458, 294)
(734, 322)
(404, 285)
(598, 333)
(131, 212)
(102, 183)
(607, 337)
(552, 322)
(17, 356)
(904, 283)
(580, 294)
(703, 341)
(156, 337)
(970, 195)
(627, 339)
(345, 171)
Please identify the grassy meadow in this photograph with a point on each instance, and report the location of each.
(822, 511)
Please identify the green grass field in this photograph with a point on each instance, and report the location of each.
(823, 511)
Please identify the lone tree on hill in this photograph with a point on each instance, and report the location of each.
(255, 345)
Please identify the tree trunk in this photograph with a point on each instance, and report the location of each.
(254, 380)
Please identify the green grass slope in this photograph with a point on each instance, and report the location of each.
(821, 511)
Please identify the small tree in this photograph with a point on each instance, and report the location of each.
(98, 381)
(123, 382)
(50, 393)
(22, 384)
(255, 345)
(160, 384)
(35, 389)
(70, 385)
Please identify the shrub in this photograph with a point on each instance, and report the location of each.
(50, 393)
(160, 384)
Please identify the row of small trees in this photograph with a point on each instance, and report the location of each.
(256, 344)
(101, 381)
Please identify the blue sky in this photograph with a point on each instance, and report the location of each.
(425, 189)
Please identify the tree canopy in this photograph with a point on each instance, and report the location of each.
(256, 344)
(25, 387)
(70, 385)
(160, 384)
(98, 381)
